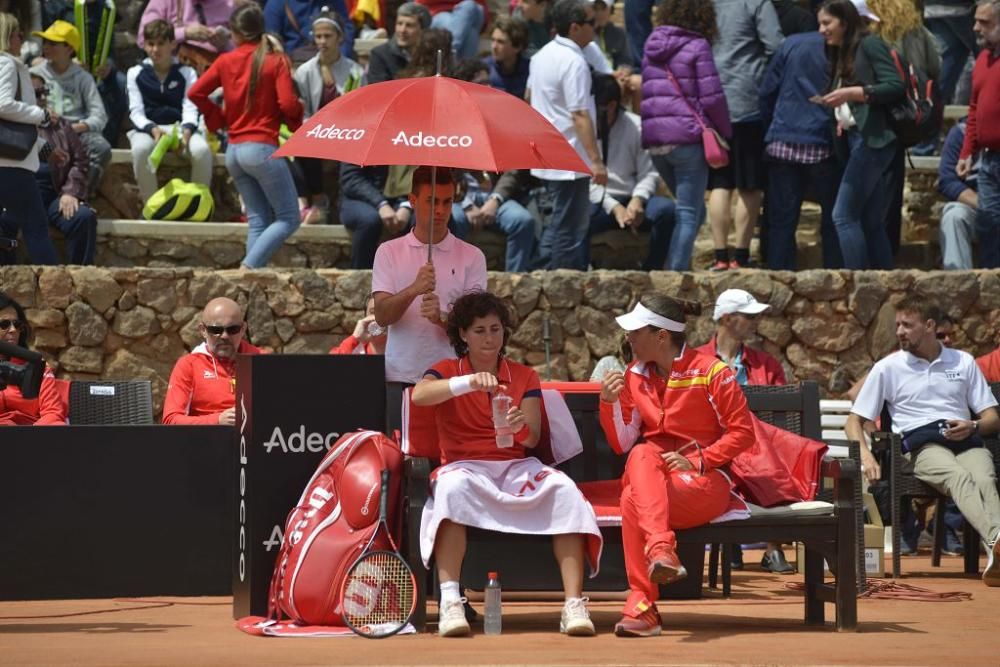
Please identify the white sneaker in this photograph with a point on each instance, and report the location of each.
(451, 619)
(991, 575)
(575, 620)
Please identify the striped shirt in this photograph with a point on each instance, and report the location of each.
(798, 153)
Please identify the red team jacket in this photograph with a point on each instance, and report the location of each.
(202, 386)
(49, 409)
(761, 367)
(699, 402)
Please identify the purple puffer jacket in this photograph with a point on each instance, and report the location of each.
(666, 119)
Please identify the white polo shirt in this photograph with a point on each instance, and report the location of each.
(559, 81)
(414, 343)
(919, 392)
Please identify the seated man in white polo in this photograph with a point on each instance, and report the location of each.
(940, 404)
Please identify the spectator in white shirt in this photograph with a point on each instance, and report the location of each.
(559, 88)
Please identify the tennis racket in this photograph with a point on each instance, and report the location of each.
(380, 591)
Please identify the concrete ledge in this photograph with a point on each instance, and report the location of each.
(163, 229)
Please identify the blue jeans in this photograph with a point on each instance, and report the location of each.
(566, 232)
(658, 221)
(988, 213)
(21, 209)
(638, 25)
(464, 22)
(685, 172)
(268, 192)
(957, 42)
(787, 183)
(859, 215)
(513, 220)
(80, 231)
(366, 229)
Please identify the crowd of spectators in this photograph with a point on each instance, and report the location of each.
(802, 93)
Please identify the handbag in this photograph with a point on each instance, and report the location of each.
(716, 148)
(17, 139)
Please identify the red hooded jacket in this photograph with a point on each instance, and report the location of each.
(201, 386)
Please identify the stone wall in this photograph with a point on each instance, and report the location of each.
(824, 325)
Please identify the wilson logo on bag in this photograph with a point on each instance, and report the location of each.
(330, 526)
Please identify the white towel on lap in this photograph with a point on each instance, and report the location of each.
(522, 496)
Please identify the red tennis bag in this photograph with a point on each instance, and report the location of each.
(330, 527)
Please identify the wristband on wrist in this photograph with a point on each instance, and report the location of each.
(459, 385)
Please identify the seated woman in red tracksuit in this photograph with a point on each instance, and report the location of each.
(693, 419)
(16, 410)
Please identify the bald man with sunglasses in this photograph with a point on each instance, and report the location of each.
(202, 386)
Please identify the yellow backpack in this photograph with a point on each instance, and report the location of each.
(180, 200)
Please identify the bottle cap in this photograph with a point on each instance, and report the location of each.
(492, 575)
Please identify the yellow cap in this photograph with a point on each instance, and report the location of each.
(61, 31)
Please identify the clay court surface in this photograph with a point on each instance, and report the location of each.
(760, 625)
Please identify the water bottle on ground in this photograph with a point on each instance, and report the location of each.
(501, 404)
(494, 610)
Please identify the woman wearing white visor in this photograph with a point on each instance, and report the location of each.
(693, 419)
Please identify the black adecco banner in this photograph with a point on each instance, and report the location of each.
(289, 410)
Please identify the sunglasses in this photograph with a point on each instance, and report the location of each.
(591, 22)
(941, 335)
(7, 325)
(218, 329)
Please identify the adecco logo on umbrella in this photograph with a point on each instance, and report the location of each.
(430, 141)
(334, 132)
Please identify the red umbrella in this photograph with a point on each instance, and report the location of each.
(435, 121)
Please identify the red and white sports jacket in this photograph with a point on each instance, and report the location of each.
(699, 402)
(201, 386)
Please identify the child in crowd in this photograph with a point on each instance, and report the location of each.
(320, 80)
(73, 95)
(157, 99)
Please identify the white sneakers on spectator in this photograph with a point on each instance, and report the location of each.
(451, 619)
(575, 620)
(991, 575)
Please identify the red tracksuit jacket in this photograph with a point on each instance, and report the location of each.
(202, 386)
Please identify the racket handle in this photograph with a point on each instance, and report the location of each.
(384, 496)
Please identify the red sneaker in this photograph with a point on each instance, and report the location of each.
(718, 265)
(646, 624)
(664, 566)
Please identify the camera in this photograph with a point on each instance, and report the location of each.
(26, 376)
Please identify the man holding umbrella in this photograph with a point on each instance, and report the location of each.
(413, 295)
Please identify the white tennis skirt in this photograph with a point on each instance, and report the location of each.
(521, 496)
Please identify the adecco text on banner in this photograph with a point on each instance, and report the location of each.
(334, 132)
(431, 141)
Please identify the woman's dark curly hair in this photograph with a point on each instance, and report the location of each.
(471, 307)
(7, 302)
(694, 15)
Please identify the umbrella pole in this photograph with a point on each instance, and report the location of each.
(430, 240)
(434, 171)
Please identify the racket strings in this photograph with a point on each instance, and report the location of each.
(379, 591)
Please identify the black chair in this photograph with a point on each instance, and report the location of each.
(795, 408)
(904, 486)
(110, 402)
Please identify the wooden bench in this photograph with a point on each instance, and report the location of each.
(525, 561)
